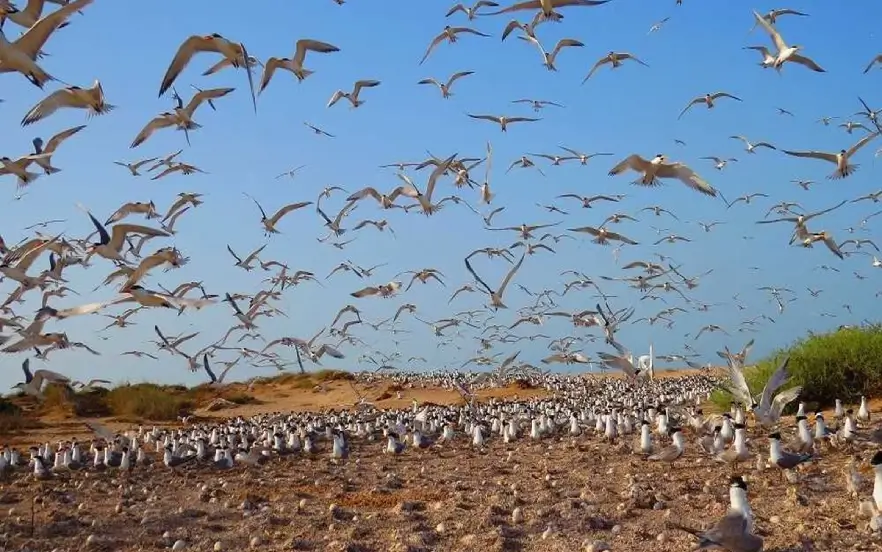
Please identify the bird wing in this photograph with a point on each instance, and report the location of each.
(776, 380)
(861, 143)
(813, 155)
(47, 106)
(776, 38)
(687, 176)
(120, 231)
(336, 97)
(475, 275)
(205, 95)
(784, 398)
(492, 118)
(737, 384)
(185, 53)
(510, 275)
(364, 84)
(158, 122)
(287, 209)
(457, 76)
(688, 106)
(56, 140)
(437, 40)
(308, 45)
(602, 61)
(33, 40)
(633, 162)
(808, 62)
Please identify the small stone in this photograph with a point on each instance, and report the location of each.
(179, 545)
(91, 540)
(616, 529)
(597, 546)
(661, 537)
(440, 528)
(517, 516)
(218, 546)
(775, 519)
(255, 542)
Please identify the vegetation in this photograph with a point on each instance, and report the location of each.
(141, 401)
(843, 364)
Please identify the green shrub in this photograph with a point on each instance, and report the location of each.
(147, 401)
(843, 364)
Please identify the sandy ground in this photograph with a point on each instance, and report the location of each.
(557, 494)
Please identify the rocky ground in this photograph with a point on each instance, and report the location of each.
(566, 493)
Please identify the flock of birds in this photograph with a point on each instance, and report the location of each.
(630, 415)
(489, 334)
(130, 249)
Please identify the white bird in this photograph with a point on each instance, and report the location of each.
(353, 96)
(20, 55)
(295, 64)
(548, 58)
(657, 168)
(613, 58)
(33, 384)
(444, 87)
(841, 159)
(785, 53)
(74, 97)
(708, 100)
(750, 148)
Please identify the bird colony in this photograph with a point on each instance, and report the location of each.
(446, 208)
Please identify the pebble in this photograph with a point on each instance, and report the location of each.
(218, 546)
(179, 545)
(255, 542)
(517, 516)
(597, 546)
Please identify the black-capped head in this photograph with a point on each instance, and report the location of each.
(718, 428)
(776, 436)
(737, 481)
(849, 411)
(699, 411)
(800, 418)
(644, 422)
(877, 459)
(738, 426)
(673, 431)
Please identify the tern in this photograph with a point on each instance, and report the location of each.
(547, 7)
(707, 99)
(75, 97)
(615, 60)
(548, 58)
(503, 121)
(111, 243)
(181, 117)
(449, 34)
(496, 296)
(841, 159)
(657, 168)
(21, 54)
(471, 12)
(750, 148)
(733, 532)
(295, 64)
(785, 53)
(33, 384)
(444, 87)
(353, 96)
(269, 223)
(195, 44)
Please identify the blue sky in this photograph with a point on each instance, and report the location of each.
(630, 110)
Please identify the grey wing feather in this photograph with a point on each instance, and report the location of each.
(775, 381)
(738, 386)
(784, 398)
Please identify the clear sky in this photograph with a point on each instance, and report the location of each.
(633, 109)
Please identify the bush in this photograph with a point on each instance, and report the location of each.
(843, 364)
(147, 401)
(13, 420)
